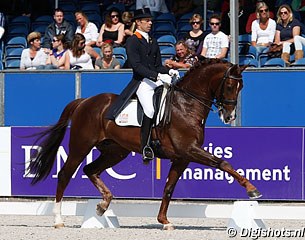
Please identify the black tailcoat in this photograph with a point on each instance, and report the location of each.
(145, 60)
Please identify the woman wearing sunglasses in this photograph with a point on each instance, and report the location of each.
(263, 28)
(112, 31)
(288, 29)
(195, 37)
(56, 57)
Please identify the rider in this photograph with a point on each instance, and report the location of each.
(144, 57)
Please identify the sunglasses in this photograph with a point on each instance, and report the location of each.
(55, 40)
(114, 16)
(284, 13)
(214, 23)
(264, 10)
(193, 23)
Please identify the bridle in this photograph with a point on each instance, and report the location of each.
(220, 101)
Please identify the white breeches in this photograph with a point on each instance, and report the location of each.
(145, 95)
(299, 42)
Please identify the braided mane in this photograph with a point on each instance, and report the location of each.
(203, 61)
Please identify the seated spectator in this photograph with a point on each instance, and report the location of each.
(56, 57)
(112, 31)
(253, 16)
(287, 29)
(108, 61)
(129, 25)
(263, 28)
(86, 28)
(33, 57)
(59, 26)
(184, 57)
(195, 37)
(216, 43)
(156, 7)
(79, 56)
(181, 7)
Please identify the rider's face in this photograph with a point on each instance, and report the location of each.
(144, 24)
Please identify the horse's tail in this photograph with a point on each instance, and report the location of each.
(49, 140)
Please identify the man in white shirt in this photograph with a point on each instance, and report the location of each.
(216, 43)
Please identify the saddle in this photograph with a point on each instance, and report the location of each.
(132, 113)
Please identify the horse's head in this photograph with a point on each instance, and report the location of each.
(227, 93)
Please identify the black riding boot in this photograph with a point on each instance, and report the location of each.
(147, 151)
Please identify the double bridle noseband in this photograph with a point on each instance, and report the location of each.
(219, 101)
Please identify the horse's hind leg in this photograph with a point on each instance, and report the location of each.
(111, 154)
(64, 176)
(175, 172)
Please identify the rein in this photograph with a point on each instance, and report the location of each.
(202, 100)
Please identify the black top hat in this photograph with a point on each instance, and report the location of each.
(142, 13)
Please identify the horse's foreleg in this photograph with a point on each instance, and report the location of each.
(205, 158)
(175, 172)
(109, 157)
(252, 192)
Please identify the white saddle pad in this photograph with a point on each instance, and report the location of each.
(128, 116)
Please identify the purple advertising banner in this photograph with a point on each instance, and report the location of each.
(271, 158)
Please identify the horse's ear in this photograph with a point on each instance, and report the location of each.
(242, 68)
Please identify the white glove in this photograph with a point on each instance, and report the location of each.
(174, 73)
(165, 78)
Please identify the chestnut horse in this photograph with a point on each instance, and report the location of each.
(181, 138)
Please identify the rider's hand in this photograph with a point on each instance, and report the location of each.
(174, 73)
(165, 78)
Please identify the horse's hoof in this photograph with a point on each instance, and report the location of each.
(99, 210)
(59, 225)
(255, 194)
(168, 226)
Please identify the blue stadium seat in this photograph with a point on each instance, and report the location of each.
(13, 53)
(120, 52)
(97, 50)
(248, 61)
(262, 58)
(1, 66)
(121, 61)
(17, 31)
(20, 21)
(299, 63)
(167, 41)
(12, 64)
(119, 6)
(17, 42)
(167, 53)
(183, 30)
(166, 17)
(39, 28)
(186, 16)
(46, 19)
(96, 19)
(163, 28)
(91, 8)
(274, 62)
